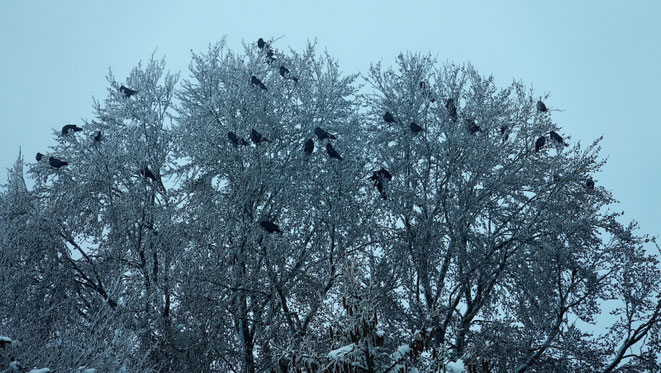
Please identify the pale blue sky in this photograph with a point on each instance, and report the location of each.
(600, 61)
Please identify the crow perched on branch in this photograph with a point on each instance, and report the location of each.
(557, 138)
(322, 134)
(39, 156)
(541, 107)
(415, 128)
(56, 163)
(270, 227)
(236, 140)
(257, 137)
(540, 143)
(284, 71)
(589, 183)
(261, 43)
(258, 83)
(308, 146)
(146, 172)
(128, 92)
(70, 127)
(388, 117)
(332, 152)
(97, 137)
(451, 108)
(379, 178)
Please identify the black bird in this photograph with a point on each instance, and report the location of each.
(270, 226)
(56, 163)
(146, 172)
(451, 108)
(322, 134)
(269, 56)
(388, 117)
(332, 152)
(381, 174)
(39, 156)
(233, 138)
(257, 137)
(258, 83)
(70, 127)
(284, 71)
(308, 147)
(261, 43)
(379, 186)
(128, 92)
(540, 143)
(97, 137)
(557, 138)
(541, 107)
(589, 183)
(472, 126)
(415, 128)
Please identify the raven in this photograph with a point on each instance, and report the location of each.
(146, 172)
(270, 226)
(332, 152)
(39, 156)
(451, 108)
(70, 127)
(557, 138)
(472, 127)
(284, 71)
(381, 174)
(257, 137)
(236, 140)
(308, 147)
(589, 183)
(258, 83)
(261, 43)
(540, 143)
(322, 134)
(97, 137)
(128, 92)
(388, 117)
(56, 163)
(541, 107)
(415, 128)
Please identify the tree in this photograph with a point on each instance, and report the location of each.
(170, 243)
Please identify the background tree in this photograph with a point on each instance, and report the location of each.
(273, 215)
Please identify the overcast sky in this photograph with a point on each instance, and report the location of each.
(600, 61)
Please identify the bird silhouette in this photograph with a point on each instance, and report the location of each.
(39, 156)
(540, 143)
(257, 137)
(258, 83)
(541, 107)
(557, 138)
(70, 127)
(381, 174)
(270, 226)
(379, 186)
(451, 108)
(332, 152)
(308, 146)
(284, 71)
(322, 134)
(56, 163)
(388, 117)
(472, 126)
(236, 140)
(415, 128)
(146, 172)
(261, 43)
(128, 92)
(98, 136)
(589, 183)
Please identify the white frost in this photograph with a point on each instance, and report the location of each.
(455, 366)
(5, 339)
(402, 351)
(380, 333)
(89, 370)
(340, 352)
(42, 370)
(15, 365)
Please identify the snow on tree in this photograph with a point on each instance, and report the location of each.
(271, 214)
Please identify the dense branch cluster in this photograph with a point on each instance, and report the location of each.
(270, 214)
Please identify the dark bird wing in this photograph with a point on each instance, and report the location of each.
(385, 173)
(256, 82)
(270, 226)
(322, 134)
(332, 152)
(308, 147)
(233, 138)
(128, 92)
(557, 138)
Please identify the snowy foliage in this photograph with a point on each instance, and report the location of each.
(196, 229)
